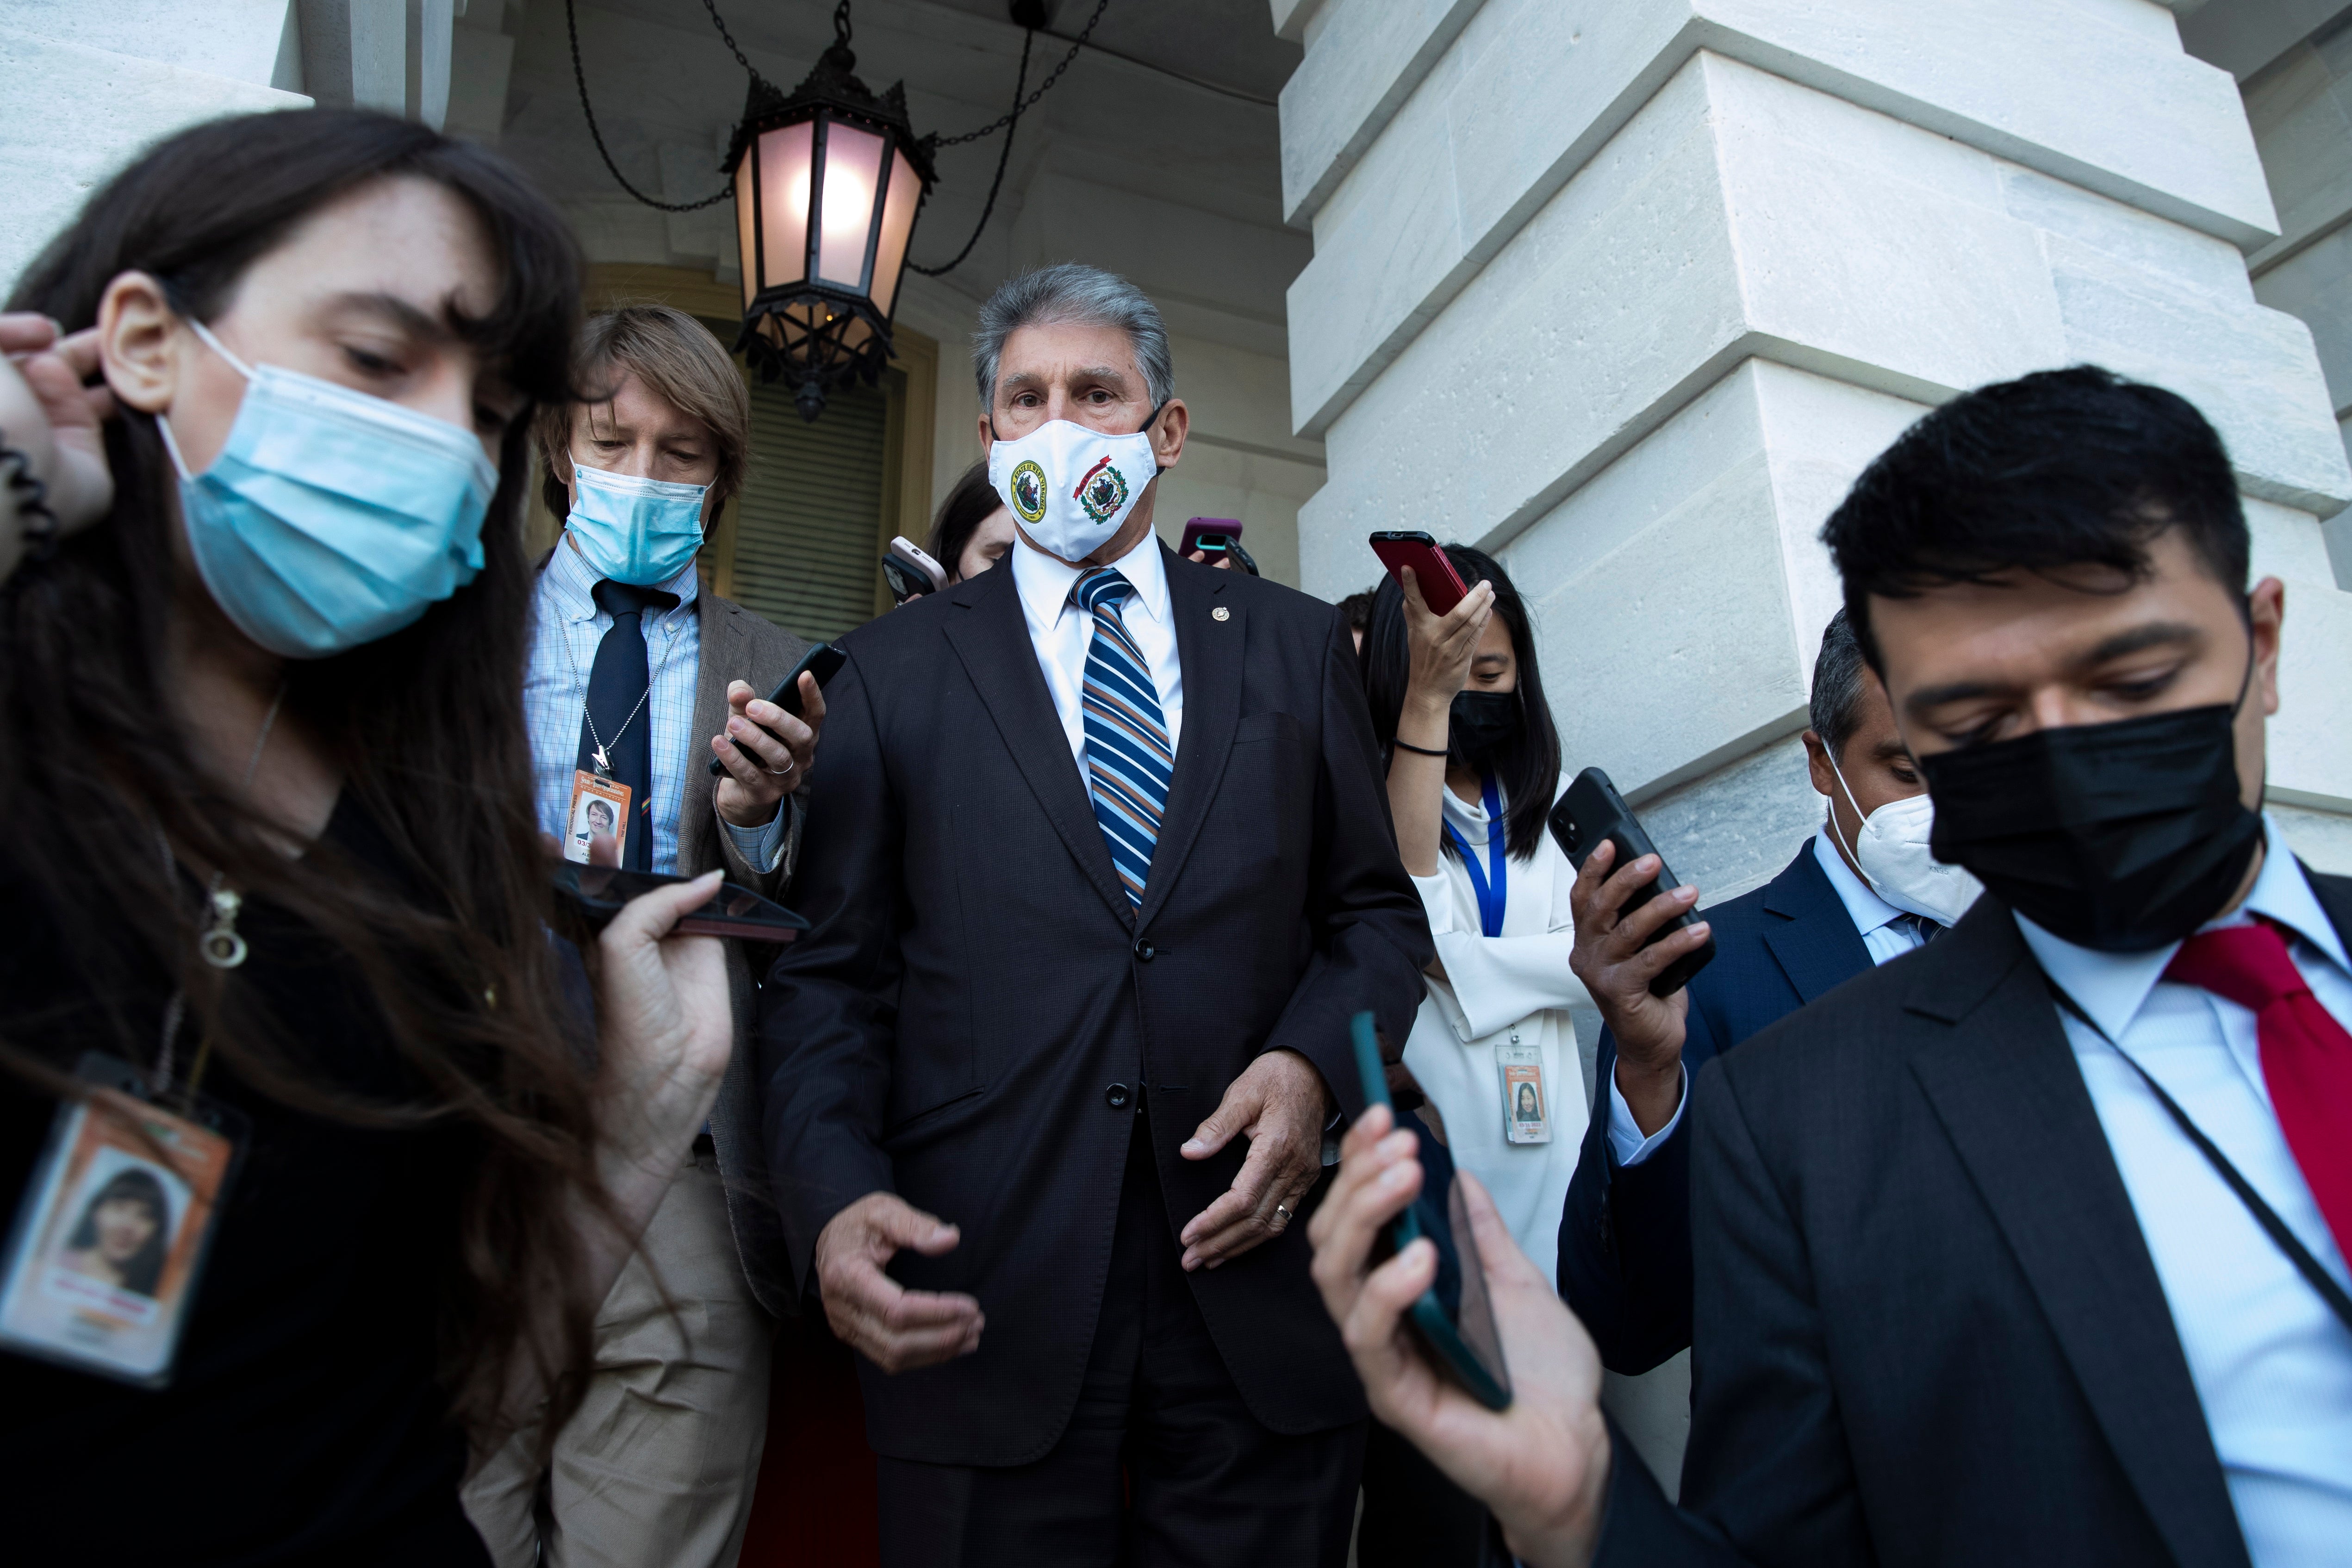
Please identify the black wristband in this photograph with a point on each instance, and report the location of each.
(1416, 750)
(32, 500)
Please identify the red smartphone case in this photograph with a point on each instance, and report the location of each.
(1442, 587)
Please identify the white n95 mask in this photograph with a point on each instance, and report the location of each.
(1071, 487)
(1892, 850)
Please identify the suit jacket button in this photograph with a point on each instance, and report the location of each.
(1116, 1097)
(1144, 950)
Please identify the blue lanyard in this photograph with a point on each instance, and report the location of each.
(1493, 888)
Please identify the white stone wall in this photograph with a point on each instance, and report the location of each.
(89, 85)
(1628, 291)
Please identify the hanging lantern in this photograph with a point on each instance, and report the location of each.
(827, 185)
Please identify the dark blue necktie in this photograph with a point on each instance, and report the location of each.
(1128, 759)
(617, 731)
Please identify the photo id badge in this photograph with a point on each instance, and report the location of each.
(598, 806)
(1527, 1113)
(118, 1216)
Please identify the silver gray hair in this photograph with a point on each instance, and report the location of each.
(1076, 293)
(1836, 709)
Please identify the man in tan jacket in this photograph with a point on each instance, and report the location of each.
(638, 676)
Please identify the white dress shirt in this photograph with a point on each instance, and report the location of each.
(1061, 632)
(1512, 989)
(1885, 933)
(567, 626)
(2272, 1365)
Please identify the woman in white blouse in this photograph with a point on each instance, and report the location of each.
(1474, 766)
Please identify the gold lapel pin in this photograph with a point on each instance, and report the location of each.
(1220, 614)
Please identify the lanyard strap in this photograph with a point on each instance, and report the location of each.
(1493, 888)
(2315, 1273)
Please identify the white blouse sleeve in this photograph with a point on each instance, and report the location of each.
(1495, 982)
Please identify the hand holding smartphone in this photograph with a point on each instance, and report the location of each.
(823, 660)
(1453, 1321)
(1442, 587)
(1592, 812)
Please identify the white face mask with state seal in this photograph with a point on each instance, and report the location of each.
(1070, 487)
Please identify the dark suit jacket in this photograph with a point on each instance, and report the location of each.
(978, 1006)
(1930, 1330)
(1624, 1235)
(739, 646)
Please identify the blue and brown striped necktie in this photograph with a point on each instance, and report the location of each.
(1128, 760)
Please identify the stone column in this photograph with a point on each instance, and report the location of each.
(1627, 291)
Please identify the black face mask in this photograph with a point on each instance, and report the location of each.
(2120, 838)
(1481, 722)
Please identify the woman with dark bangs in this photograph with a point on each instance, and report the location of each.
(263, 755)
(124, 1234)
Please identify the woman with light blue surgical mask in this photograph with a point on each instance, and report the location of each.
(272, 855)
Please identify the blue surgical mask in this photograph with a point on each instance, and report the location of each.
(330, 518)
(640, 531)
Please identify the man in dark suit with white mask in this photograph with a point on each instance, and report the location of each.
(1099, 866)
(2028, 1247)
(1863, 891)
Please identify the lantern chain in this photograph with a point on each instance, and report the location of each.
(841, 28)
(1022, 106)
(571, 22)
(1003, 157)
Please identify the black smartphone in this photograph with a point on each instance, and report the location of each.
(596, 894)
(1210, 536)
(1592, 812)
(823, 660)
(1454, 1320)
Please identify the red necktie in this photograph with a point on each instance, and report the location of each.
(2306, 1055)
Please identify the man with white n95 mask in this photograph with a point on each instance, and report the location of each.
(1861, 891)
(637, 680)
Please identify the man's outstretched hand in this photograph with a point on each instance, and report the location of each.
(1280, 1105)
(1543, 1465)
(897, 1329)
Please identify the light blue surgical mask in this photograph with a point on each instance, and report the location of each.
(331, 518)
(633, 531)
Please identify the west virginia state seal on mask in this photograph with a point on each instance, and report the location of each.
(1071, 487)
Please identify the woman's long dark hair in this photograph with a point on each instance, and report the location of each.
(1527, 764)
(426, 726)
(966, 507)
(145, 1268)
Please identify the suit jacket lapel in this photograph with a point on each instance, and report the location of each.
(2005, 1085)
(2334, 896)
(991, 635)
(1210, 652)
(1817, 947)
(724, 657)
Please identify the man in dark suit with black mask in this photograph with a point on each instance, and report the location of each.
(2028, 1247)
(1860, 893)
(1099, 869)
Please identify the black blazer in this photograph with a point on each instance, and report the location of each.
(1624, 1235)
(977, 1009)
(1930, 1330)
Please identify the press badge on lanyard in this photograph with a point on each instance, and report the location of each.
(588, 791)
(1527, 1116)
(117, 1218)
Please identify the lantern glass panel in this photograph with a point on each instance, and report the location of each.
(853, 169)
(746, 181)
(784, 205)
(898, 222)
